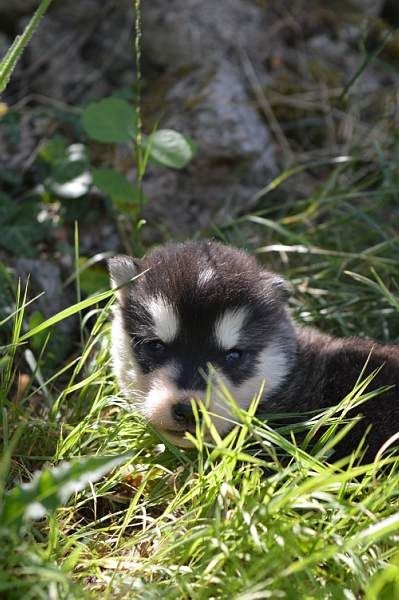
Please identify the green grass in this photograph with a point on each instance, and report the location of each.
(257, 515)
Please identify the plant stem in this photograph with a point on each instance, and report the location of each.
(140, 163)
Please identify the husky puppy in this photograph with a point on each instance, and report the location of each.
(205, 308)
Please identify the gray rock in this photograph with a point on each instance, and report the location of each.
(45, 276)
(235, 157)
(17, 7)
(200, 31)
(80, 49)
(210, 103)
(224, 123)
(369, 7)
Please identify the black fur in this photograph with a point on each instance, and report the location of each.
(326, 370)
(323, 369)
(173, 271)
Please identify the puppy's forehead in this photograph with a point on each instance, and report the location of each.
(224, 329)
(207, 273)
(199, 291)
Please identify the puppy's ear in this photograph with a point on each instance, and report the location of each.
(276, 286)
(121, 270)
(283, 287)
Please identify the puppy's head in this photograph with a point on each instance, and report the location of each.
(199, 310)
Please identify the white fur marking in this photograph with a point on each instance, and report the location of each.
(228, 327)
(166, 321)
(273, 367)
(205, 276)
(125, 365)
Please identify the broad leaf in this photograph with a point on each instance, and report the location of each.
(170, 148)
(117, 187)
(110, 120)
(51, 488)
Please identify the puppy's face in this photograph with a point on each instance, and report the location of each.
(200, 311)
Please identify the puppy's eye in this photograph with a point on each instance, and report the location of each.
(233, 355)
(156, 347)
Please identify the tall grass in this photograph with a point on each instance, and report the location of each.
(264, 513)
(259, 514)
(14, 53)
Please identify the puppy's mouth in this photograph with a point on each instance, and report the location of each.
(177, 437)
(177, 432)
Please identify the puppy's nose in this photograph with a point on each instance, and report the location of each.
(183, 414)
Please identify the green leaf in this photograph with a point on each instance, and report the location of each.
(170, 148)
(67, 312)
(7, 65)
(110, 120)
(8, 209)
(69, 170)
(93, 279)
(116, 186)
(19, 226)
(51, 488)
(36, 319)
(54, 150)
